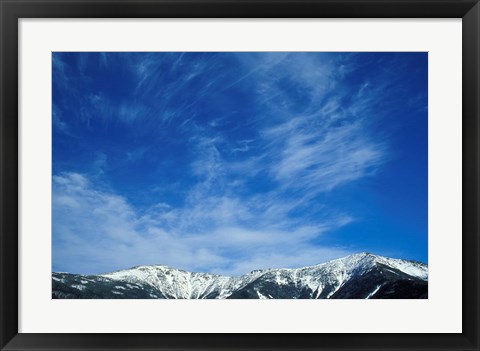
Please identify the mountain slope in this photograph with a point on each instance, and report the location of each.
(359, 276)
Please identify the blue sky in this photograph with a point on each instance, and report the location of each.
(229, 162)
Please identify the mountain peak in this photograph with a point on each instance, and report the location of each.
(361, 275)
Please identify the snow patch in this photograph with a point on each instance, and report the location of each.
(260, 296)
(79, 287)
(374, 292)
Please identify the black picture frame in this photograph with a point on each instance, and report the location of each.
(12, 10)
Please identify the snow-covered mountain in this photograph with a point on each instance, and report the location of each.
(359, 276)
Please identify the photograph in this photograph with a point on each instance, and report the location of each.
(239, 175)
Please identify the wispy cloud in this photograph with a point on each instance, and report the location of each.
(59, 69)
(319, 158)
(57, 119)
(97, 228)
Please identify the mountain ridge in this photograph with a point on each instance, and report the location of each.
(358, 276)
